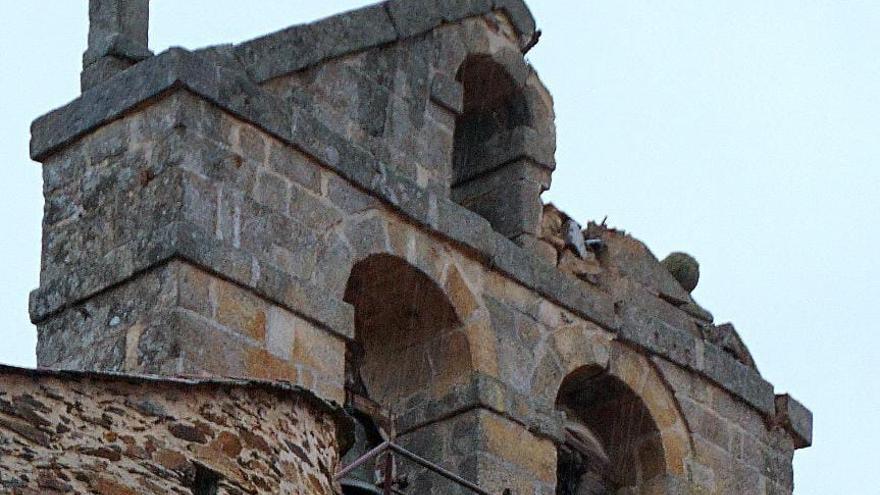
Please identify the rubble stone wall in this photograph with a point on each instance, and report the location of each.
(123, 435)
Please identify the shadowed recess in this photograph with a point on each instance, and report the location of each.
(406, 332)
(611, 442)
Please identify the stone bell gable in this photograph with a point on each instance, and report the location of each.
(354, 206)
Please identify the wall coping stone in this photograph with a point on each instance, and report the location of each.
(680, 347)
(297, 47)
(235, 93)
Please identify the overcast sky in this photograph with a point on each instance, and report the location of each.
(744, 132)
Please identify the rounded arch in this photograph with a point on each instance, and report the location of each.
(418, 330)
(371, 235)
(493, 106)
(616, 394)
(611, 439)
(501, 98)
(408, 335)
(504, 141)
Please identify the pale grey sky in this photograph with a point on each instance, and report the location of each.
(744, 132)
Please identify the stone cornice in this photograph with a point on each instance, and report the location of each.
(187, 242)
(796, 419)
(489, 393)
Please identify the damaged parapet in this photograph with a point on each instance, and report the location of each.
(613, 260)
(118, 38)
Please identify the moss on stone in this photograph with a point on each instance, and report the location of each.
(684, 268)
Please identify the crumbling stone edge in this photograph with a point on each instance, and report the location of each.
(236, 93)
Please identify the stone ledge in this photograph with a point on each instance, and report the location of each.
(187, 242)
(173, 69)
(236, 94)
(520, 143)
(739, 379)
(489, 393)
(796, 419)
(301, 46)
(685, 350)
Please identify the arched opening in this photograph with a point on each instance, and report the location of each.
(612, 442)
(403, 325)
(493, 106)
(501, 163)
(409, 346)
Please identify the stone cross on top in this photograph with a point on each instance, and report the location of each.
(118, 38)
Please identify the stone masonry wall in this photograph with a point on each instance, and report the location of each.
(124, 435)
(205, 214)
(161, 176)
(513, 332)
(400, 103)
(521, 345)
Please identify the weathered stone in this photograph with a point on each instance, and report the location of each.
(726, 337)
(255, 427)
(585, 268)
(117, 38)
(447, 93)
(455, 10)
(412, 17)
(467, 228)
(519, 144)
(301, 46)
(738, 378)
(519, 15)
(353, 206)
(697, 312)
(796, 419)
(676, 345)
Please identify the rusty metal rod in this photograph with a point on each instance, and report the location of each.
(388, 473)
(362, 459)
(437, 469)
(388, 445)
